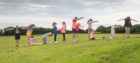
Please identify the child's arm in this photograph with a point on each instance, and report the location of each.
(80, 18)
(134, 20)
(94, 21)
(120, 19)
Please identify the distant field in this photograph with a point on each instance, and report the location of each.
(120, 50)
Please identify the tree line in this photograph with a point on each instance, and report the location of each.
(37, 30)
(135, 29)
(40, 30)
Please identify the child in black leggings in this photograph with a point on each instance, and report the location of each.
(63, 31)
(54, 31)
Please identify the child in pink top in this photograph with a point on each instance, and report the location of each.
(74, 27)
(78, 25)
(63, 30)
(92, 34)
(32, 41)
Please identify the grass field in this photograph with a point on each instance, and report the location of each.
(120, 50)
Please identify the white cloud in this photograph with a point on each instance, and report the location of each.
(40, 12)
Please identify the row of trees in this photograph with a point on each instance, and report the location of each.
(36, 30)
(134, 29)
(40, 30)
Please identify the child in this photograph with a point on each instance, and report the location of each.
(128, 25)
(74, 25)
(89, 22)
(63, 31)
(44, 37)
(113, 31)
(17, 35)
(78, 25)
(32, 41)
(92, 34)
(29, 32)
(78, 28)
(54, 31)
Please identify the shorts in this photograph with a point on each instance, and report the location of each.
(89, 30)
(127, 28)
(17, 36)
(74, 30)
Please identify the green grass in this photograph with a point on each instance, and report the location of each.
(120, 50)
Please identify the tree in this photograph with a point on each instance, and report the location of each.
(136, 28)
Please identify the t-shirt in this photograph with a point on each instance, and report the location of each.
(74, 23)
(17, 30)
(28, 33)
(54, 30)
(45, 35)
(128, 22)
(89, 24)
(63, 29)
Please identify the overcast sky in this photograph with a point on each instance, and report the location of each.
(44, 12)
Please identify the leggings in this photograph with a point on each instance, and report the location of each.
(55, 36)
(64, 38)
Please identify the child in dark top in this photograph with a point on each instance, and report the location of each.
(127, 25)
(63, 31)
(54, 31)
(45, 37)
(17, 31)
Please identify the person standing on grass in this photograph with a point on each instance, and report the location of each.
(45, 36)
(92, 32)
(74, 24)
(113, 27)
(63, 30)
(54, 31)
(127, 25)
(78, 25)
(89, 22)
(17, 31)
(29, 32)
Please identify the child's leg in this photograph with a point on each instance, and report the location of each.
(93, 35)
(63, 36)
(17, 42)
(126, 32)
(73, 36)
(55, 37)
(44, 40)
(113, 35)
(76, 36)
(89, 34)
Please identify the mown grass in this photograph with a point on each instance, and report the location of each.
(120, 50)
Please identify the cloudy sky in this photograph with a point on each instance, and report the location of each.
(44, 12)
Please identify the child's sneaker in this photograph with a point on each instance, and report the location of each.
(92, 39)
(55, 42)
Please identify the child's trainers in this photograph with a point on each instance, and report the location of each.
(55, 42)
